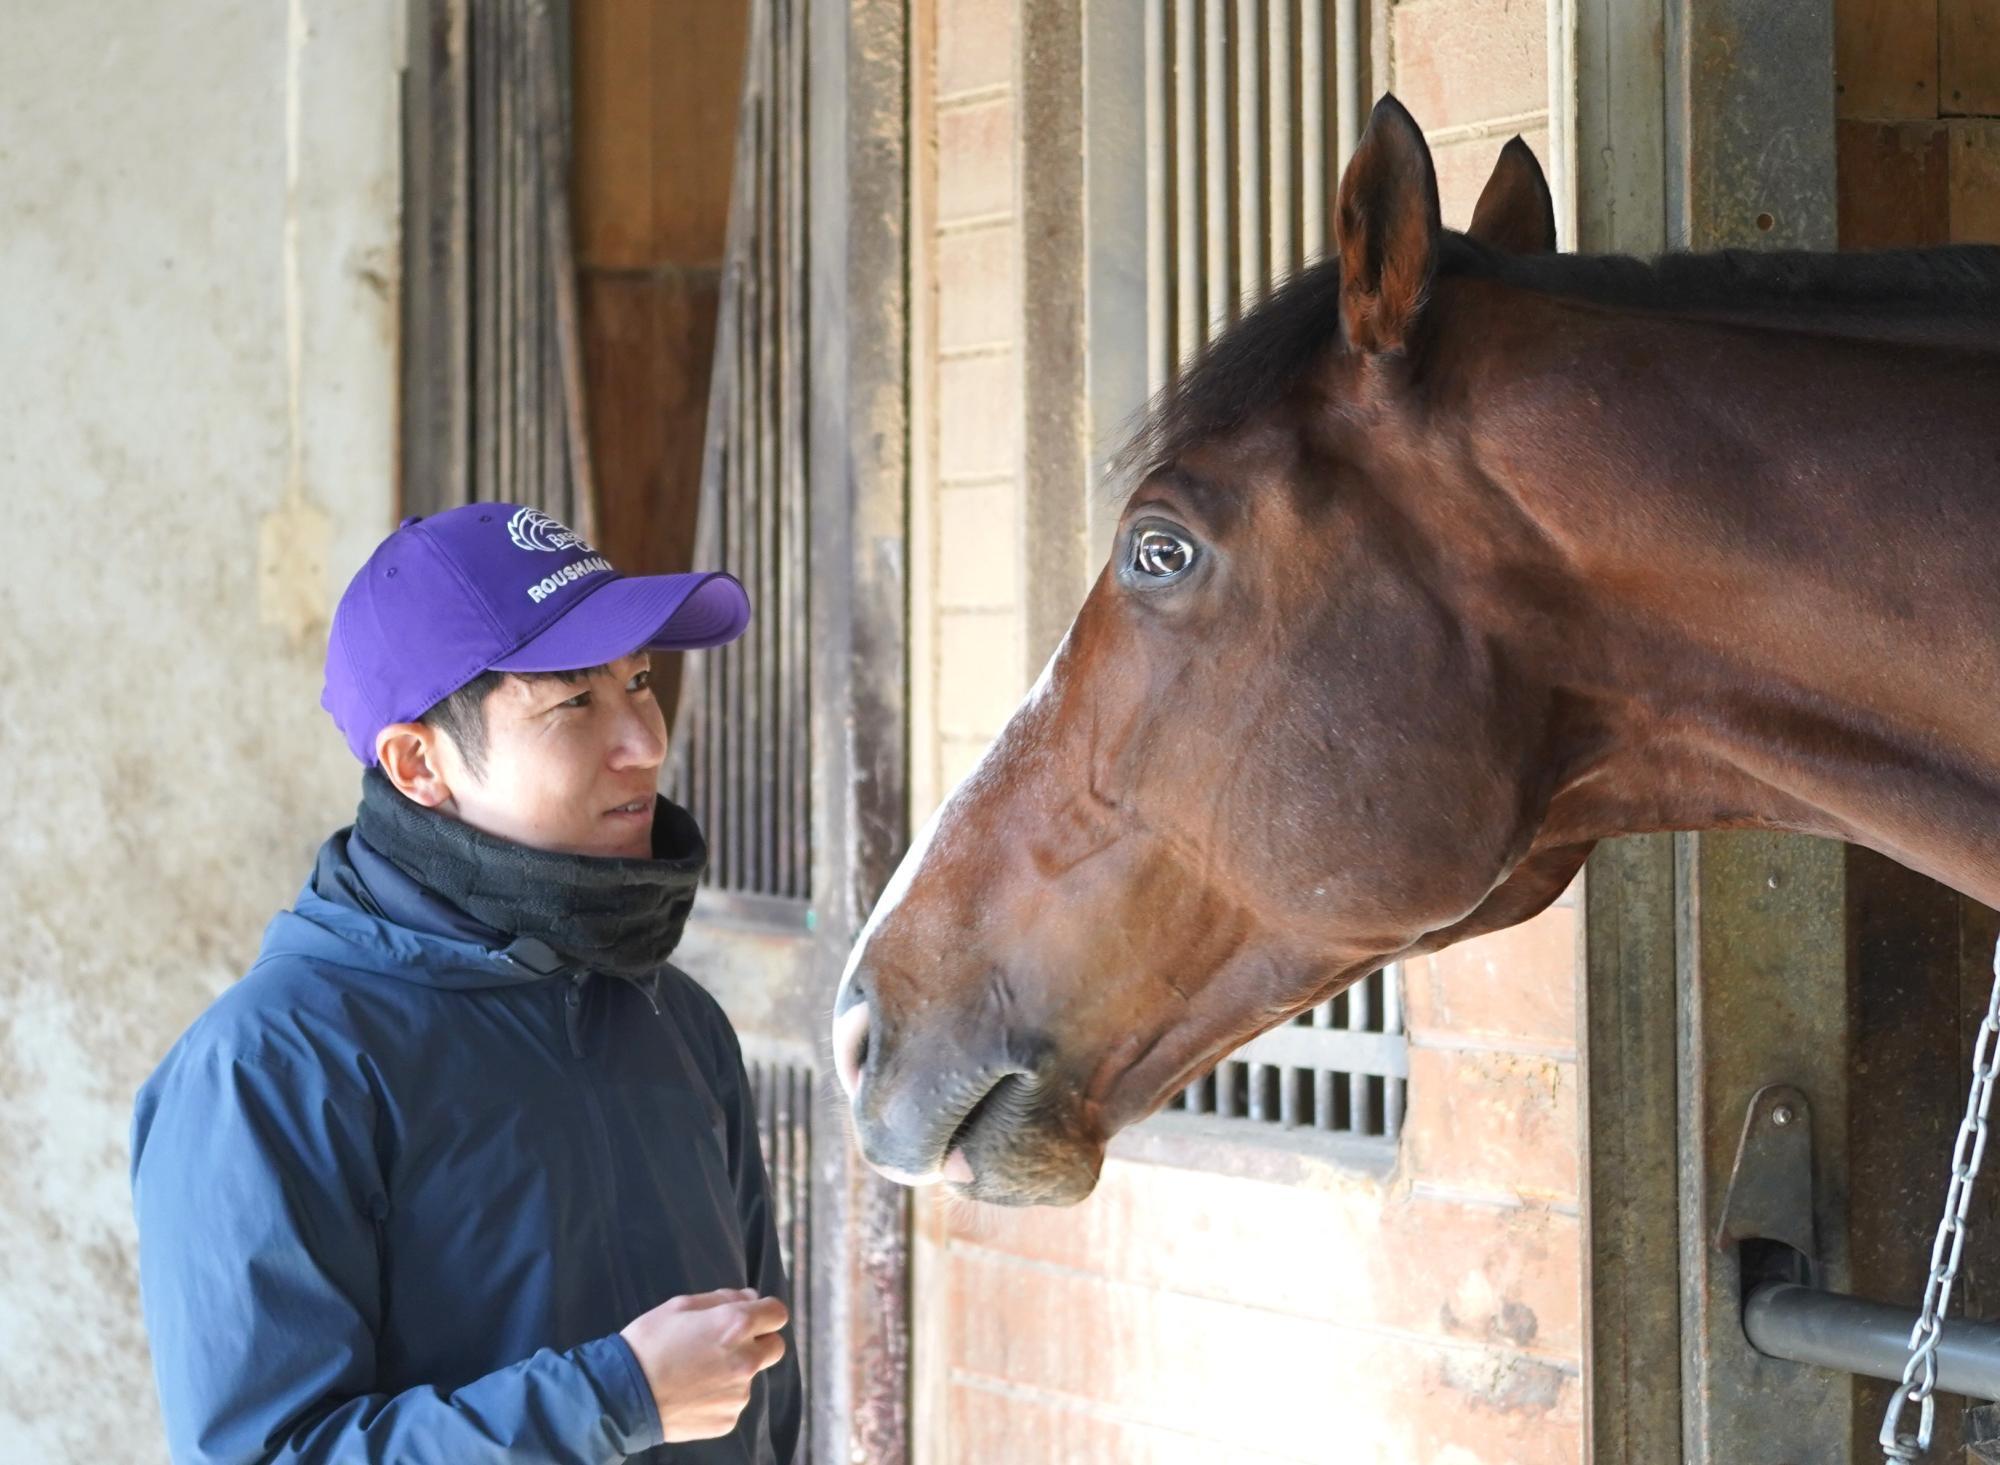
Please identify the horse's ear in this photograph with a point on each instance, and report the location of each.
(1387, 229)
(1515, 213)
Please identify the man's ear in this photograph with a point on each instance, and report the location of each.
(1387, 228)
(1515, 213)
(410, 758)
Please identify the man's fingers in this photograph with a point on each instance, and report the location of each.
(766, 1351)
(765, 1315)
(697, 1301)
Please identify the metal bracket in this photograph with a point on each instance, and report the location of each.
(1770, 1195)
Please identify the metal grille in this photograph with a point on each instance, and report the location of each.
(1250, 110)
(1341, 1068)
(493, 370)
(784, 1094)
(743, 750)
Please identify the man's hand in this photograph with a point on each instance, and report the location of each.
(700, 1354)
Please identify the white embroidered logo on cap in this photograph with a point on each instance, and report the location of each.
(532, 529)
(548, 585)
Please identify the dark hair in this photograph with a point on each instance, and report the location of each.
(462, 715)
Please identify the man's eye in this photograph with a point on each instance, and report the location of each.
(640, 682)
(581, 699)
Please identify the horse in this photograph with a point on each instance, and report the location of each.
(1454, 557)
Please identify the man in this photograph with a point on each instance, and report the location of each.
(462, 1170)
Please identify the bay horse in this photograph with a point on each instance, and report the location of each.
(1451, 559)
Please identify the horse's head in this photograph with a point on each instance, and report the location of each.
(1278, 747)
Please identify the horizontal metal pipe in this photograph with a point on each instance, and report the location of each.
(1806, 1325)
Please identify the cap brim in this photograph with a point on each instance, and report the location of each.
(638, 613)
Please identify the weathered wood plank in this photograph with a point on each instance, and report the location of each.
(1893, 184)
(1968, 58)
(1885, 59)
(1975, 182)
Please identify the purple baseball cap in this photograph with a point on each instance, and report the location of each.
(499, 587)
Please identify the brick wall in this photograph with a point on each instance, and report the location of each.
(1473, 73)
(966, 528)
(1182, 1314)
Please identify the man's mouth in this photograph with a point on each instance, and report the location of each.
(633, 809)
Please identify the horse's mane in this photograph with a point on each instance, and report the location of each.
(1252, 364)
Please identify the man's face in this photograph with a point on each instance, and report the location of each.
(570, 767)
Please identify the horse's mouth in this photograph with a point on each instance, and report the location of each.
(993, 1099)
(1018, 1155)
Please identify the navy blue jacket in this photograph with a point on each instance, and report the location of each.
(400, 1186)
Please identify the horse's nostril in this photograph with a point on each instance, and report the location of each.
(850, 1046)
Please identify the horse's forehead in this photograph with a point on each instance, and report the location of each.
(1230, 477)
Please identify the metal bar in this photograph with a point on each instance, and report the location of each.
(1250, 279)
(1347, 64)
(1854, 1335)
(1187, 186)
(1345, 1049)
(727, 729)
(1280, 119)
(1322, 1021)
(1313, 239)
(1360, 1105)
(790, 608)
(1215, 159)
(529, 281)
(484, 481)
(762, 651)
(552, 132)
(1159, 217)
(505, 424)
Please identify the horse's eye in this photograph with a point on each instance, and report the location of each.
(1161, 554)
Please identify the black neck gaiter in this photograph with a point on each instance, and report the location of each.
(619, 916)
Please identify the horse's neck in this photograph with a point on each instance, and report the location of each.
(1792, 554)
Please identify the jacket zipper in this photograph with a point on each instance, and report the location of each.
(606, 1163)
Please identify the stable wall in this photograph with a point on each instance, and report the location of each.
(198, 277)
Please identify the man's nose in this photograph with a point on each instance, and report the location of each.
(642, 739)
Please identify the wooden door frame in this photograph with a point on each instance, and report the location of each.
(1713, 963)
(858, 166)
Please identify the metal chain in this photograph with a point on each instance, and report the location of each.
(1920, 1373)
